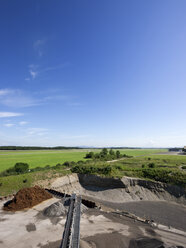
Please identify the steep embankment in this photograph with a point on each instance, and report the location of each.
(119, 190)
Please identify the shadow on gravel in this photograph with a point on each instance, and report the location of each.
(148, 243)
(89, 181)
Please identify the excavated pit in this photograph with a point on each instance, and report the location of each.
(119, 190)
(152, 201)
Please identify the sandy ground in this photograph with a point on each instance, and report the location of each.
(100, 229)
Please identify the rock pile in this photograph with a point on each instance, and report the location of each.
(27, 198)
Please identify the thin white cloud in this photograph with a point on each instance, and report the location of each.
(22, 123)
(4, 92)
(34, 70)
(9, 125)
(52, 68)
(37, 131)
(38, 43)
(9, 114)
(83, 136)
(33, 73)
(38, 46)
(20, 99)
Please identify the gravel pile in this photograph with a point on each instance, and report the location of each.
(60, 208)
(56, 209)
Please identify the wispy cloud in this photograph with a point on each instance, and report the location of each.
(39, 43)
(9, 125)
(38, 46)
(9, 114)
(22, 123)
(20, 99)
(4, 92)
(82, 136)
(37, 131)
(35, 70)
(33, 73)
(52, 68)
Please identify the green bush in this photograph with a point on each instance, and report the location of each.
(69, 163)
(151, 165)
(89, 155)
(85, 169)
(165, 176)
(21, 167)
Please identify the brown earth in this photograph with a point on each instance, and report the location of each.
(27, 198)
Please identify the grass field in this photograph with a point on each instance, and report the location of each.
(165, 166)
(39, 158)
(169, 161)
(52, 157)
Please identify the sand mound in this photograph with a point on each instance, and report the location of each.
(27, 198)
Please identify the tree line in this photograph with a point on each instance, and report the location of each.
(36, 148)
(106, 155)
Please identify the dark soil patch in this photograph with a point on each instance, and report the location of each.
(27, 198)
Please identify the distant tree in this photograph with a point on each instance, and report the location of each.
(111, 152)
(89, 155)
(104, 151)
(118, 154)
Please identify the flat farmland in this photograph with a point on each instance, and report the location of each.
(42, 158)
(39, 157)
(141, 152)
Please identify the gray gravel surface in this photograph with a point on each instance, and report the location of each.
(162, 212)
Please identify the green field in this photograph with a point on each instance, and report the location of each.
(162, 161)
(168, 168)
(39, 158)
(141, 152)
(42, 158)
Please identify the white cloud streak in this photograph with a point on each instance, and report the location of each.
(9, 114)
(38, 46)
(34, 70)
(33, 73)
(17, 98)
(22, 123)
(9, 125)
(37, 131)
(20, 99)
(4, 92)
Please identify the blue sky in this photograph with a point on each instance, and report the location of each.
(93, 73)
